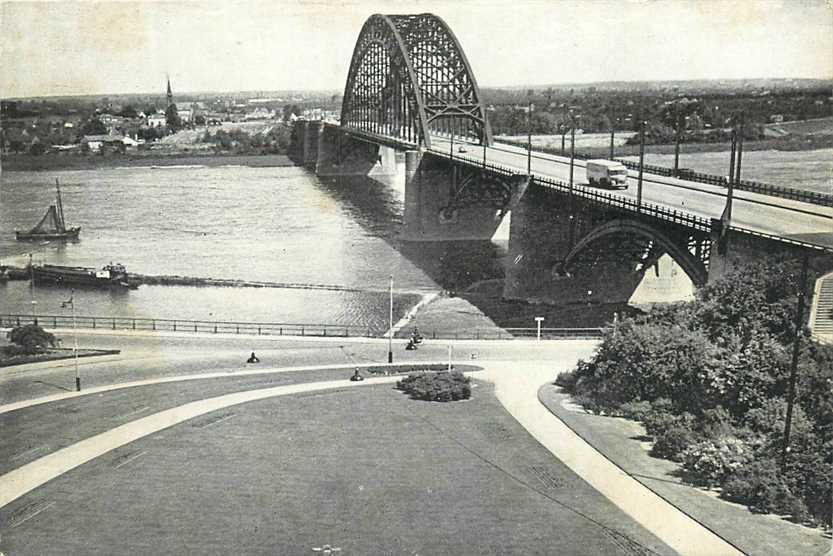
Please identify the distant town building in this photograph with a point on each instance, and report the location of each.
(156, 120)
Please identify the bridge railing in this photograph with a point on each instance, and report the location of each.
(600, 197)
(802, 195)
(624, 203)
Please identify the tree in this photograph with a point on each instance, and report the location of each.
(31, 338)
(93, 126)
(172, 118)
(129, 112)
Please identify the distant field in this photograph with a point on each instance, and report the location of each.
(819, 126)
(192, 136)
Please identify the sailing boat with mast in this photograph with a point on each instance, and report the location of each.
(52, 225)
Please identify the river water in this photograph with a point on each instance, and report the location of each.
(277, 224)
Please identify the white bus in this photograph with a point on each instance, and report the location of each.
(607, 173)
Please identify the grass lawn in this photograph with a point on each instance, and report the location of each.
(367, 470)
(622, 441)
(51, 355)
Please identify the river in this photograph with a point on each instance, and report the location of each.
(278, 224)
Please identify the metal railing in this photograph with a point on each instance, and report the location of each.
(624, 203)
(284, 329)
(593, 195)
(185, 325)
(821, 199)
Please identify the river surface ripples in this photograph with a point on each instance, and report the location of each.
(279, 224)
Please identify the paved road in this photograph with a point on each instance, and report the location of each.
(760, 213)
(164, 401)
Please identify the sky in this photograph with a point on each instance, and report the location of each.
(67, 47)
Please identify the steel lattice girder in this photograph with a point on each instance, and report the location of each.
(409, 78)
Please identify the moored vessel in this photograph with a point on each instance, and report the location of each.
(111, 275)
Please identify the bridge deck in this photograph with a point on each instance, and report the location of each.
(755, 212)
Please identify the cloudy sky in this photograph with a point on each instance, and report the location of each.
(69, 47)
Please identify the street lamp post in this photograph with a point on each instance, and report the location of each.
(572, 147)
(390, 323)
(538, 321)
(676, 139)
(71, 303)
(529, 138)
(75, 344)
(740, 149)
(641, 163)
(612, 133)
(34, 303)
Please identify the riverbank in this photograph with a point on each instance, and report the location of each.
(32, 163)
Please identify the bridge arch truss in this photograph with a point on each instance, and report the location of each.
(646, 243)
(410, 79)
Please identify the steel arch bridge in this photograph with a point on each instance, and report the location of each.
(409, 79)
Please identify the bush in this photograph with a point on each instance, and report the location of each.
(761, 485)
(31, 338)
(672, 442)
(710, 462)
(567, 380)
(636, 411)
(436, 387)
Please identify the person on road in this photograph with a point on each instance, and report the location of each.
(356, 376)
(253, 358)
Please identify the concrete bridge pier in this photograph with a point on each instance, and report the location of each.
(341, 154)
(447, 201)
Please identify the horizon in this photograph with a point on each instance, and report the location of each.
(305, 45)
(563, 85)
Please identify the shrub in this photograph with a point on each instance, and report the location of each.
(567, 380)
(672, 442)
(637, 411)
(761, 485)
(710, 462)
(439, 387)
(716, 423)
(31, 338)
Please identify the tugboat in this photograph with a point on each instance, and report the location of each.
(111, 275)
(52, 225)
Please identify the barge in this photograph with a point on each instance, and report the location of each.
(111, 275)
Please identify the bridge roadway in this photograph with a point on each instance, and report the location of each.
(783, 218)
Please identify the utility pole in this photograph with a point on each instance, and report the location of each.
(799, 323)
(612, 131)
(739, 153)
(676, 139)
(641, 163)
(572, 148)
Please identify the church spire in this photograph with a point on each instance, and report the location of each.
(170, 94)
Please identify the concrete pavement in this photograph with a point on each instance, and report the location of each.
(516, 386)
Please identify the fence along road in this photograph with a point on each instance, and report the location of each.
(105, 323)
